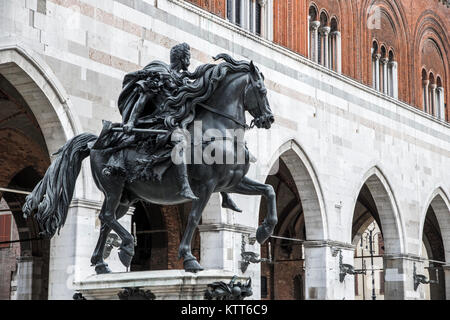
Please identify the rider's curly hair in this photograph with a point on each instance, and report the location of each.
(177, 53)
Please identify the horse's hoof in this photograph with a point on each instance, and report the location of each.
(262, 234)
(192, 266)
(125, 258)
(102, 268)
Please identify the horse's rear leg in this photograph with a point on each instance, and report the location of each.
(97, 256)
(190, 263)
(112, 189)
(248, 186)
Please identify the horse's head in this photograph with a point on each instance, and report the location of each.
(255, 99)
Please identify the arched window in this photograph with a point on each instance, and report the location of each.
(252, 15)
(392, 76)
(375, 66)
(313, 36)
(431, 94)
(383, 70)
(425, 84)
(440, 98)
(335, 47)
(324, 31)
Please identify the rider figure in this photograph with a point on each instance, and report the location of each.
(179, 61)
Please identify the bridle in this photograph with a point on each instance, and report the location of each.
(232, 118)
(257, 98)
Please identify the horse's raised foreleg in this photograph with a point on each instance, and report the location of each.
(248, 186)
(97, 256)
(190, 263)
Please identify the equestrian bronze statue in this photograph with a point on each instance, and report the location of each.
(151, 156)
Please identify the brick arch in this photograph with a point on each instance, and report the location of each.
(314, 6)
(331, 8)
(19, 152)
(393, 11)
(429, 27)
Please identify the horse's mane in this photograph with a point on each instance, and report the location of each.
(205, 81)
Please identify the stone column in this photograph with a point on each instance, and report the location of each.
(394, 76)
(433, 87)
(399, 277)
(446, 269)
(71, 251)
(336, 36)
(384, 63)
(233, 11)
(322, 271)
(24, 278)
(324, 31)
(376, 61)
(264, 20)
(315, 40)
(309, 36)
(270, 20)
(220, 238)
(441, 104)
(425, 93)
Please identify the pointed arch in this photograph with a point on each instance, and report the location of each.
(391, 221)
(44, 94)
(308, 186)
(439, 201)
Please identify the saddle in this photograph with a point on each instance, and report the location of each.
(135, 156)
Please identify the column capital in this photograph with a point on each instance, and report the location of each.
(433, 86)
(393, 64)
(384, 61)
(325, 30)
(335, 33)
(315, 25)
(425, 82)
(262, 3)
(376, 56)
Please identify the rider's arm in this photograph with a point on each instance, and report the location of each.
(137, 110)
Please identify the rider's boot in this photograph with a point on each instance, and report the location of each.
(183, 182)
(182, 177)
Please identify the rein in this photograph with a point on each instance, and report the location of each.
(239, 122)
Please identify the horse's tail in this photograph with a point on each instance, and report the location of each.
(52, 195)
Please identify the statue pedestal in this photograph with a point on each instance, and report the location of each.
(164, 284)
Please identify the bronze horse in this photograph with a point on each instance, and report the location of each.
(239, 88)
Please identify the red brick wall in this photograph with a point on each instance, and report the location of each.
(289, 28)
(8, 254)
(5, 229)
(405, 27)
(217, 7)
(173, 225)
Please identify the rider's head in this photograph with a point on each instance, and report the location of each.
(180, 57)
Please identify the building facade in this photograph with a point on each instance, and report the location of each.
(359, 89)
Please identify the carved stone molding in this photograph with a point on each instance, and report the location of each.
(135, 294)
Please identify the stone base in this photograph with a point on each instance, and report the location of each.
(164, 284)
